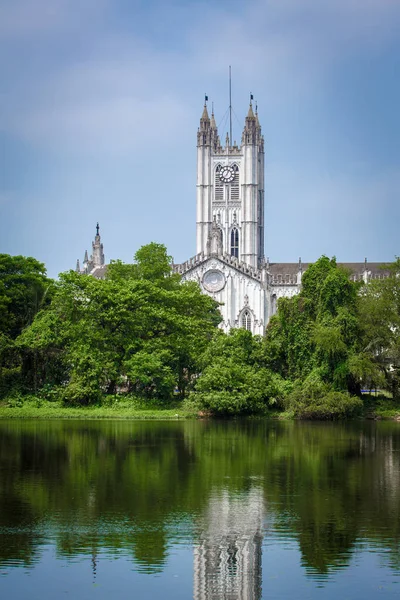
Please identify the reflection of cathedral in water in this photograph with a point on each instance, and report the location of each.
(227, 559)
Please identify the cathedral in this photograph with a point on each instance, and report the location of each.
(229, 264)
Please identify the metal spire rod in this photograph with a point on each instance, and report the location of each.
(230, 105)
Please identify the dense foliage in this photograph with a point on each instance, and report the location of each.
(234, 378)
(24, 290)
(141, 331)
(326, 341)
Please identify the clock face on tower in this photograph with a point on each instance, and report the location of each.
(227, 174)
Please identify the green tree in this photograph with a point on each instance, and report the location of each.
(379, 309)
(313, 340)
(233, 379)
(24, 289)
(140, 330)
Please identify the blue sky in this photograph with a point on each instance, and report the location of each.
(100, 102)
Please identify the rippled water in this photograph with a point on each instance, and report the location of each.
(240, 510)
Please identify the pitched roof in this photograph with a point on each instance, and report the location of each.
(375, 269)
(99, 272)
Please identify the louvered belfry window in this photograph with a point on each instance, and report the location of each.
(233, 187)
(219, 186)
(246, 320)
(235, 242)
(234, 195)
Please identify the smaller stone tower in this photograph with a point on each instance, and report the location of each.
(97, 258)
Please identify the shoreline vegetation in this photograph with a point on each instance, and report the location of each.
(143, 344)
(376, 407)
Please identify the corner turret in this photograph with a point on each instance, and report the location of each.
(252, 128)
(203, 132)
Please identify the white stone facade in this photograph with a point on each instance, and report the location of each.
(239, 289)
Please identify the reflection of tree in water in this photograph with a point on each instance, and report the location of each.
(338, 484)
(227, 557)
(109, 485)
(23, 465)
(126, 487)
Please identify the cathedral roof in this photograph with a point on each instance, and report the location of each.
(99, 272)
(375, 269)
(224, 259)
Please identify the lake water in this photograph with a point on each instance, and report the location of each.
(240, 510)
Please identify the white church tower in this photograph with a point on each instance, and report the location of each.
(230, 191)
(229, 264)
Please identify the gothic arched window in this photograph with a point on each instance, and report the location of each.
(218, 185)
(235, 242)
(246, 320)
(234, 195)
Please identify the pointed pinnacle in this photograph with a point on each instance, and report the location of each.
(204, 116)
(250, 114)
(213, 123)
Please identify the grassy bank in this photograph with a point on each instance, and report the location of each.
(31, 407)
(36, 408)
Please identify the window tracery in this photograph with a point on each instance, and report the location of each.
(246, 320)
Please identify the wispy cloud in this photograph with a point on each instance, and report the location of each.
(119, 84)
(108, 107)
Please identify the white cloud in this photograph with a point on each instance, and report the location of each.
(116, 125)
(123, 84)
(122, 89)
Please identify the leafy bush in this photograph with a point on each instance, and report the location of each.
(80, 392)
(230, 387)
(150, 374)
(226, 403)
(314, 399)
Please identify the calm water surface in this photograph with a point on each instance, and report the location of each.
(204, 510)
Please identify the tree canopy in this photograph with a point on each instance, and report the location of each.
(139, 330)
(144, 332)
